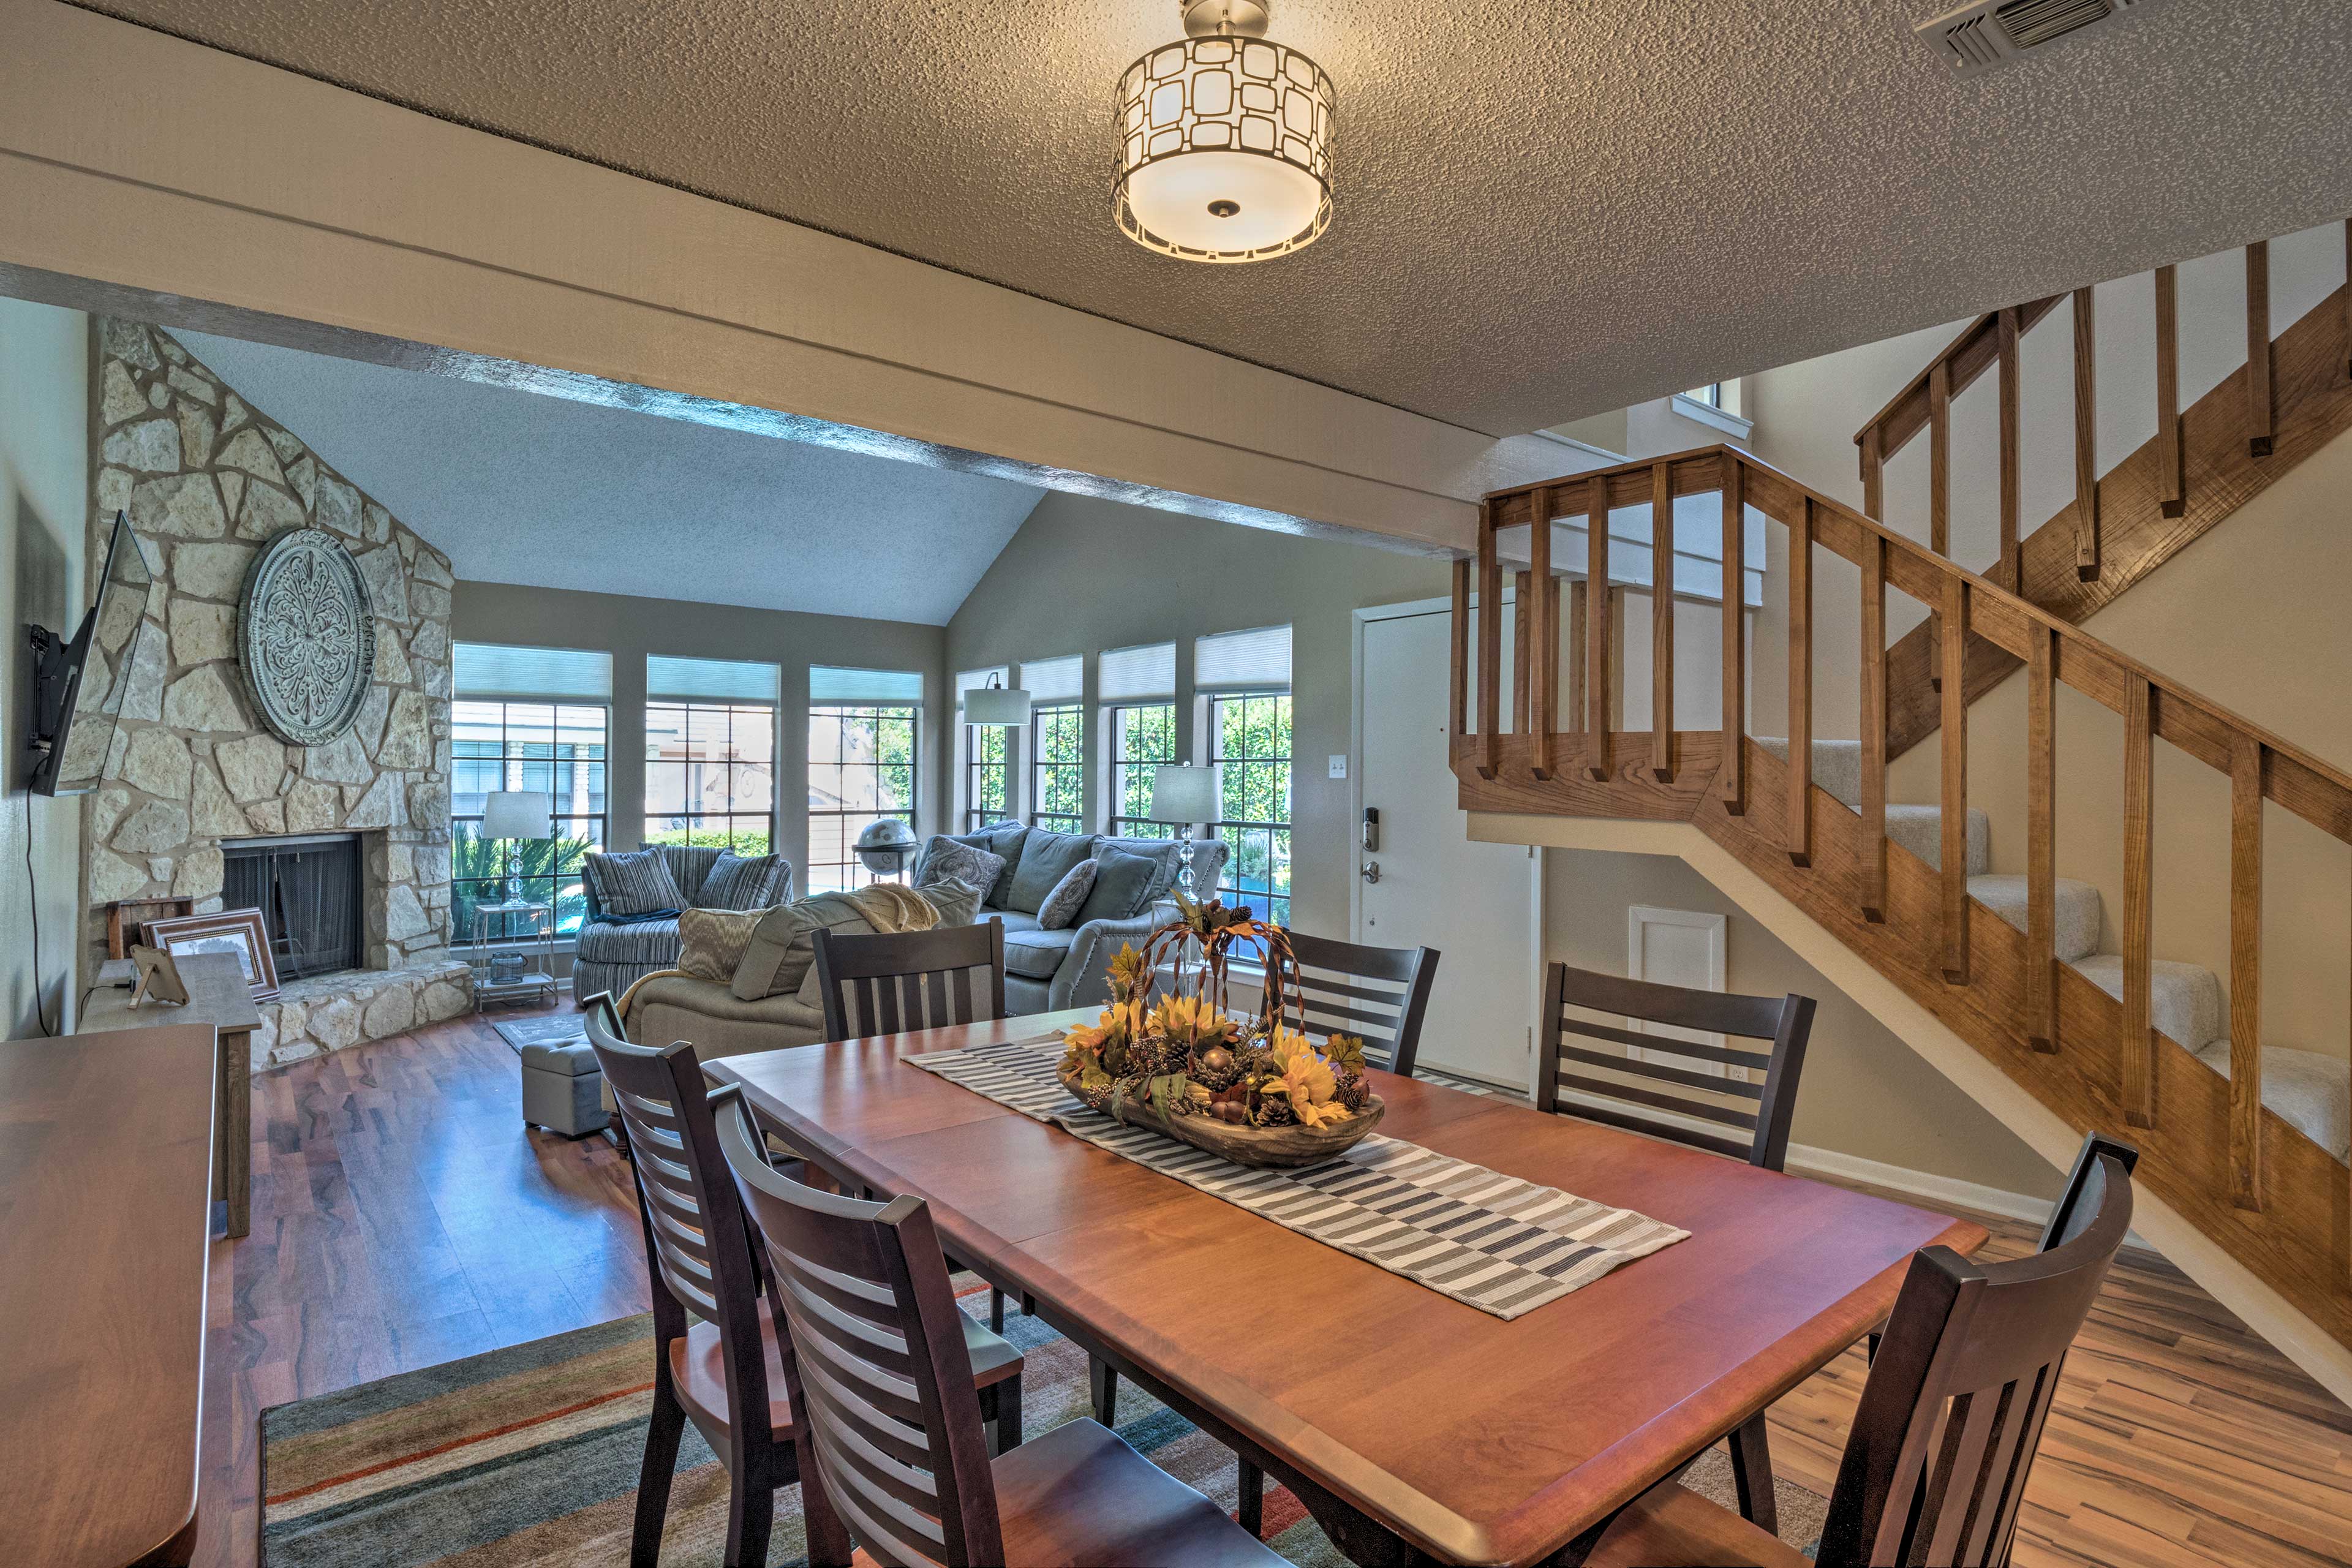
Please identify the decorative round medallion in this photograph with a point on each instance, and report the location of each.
(306, 637)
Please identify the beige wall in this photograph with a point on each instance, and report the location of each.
(631, 628)
(44, 356)
(1864, 1093)
(1084, 574)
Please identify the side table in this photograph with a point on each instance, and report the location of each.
(520, 925)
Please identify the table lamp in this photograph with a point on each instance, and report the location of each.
(1185, 794)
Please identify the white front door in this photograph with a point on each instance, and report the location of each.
(1471, 902)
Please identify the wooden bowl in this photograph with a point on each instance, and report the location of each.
(1258, 1148)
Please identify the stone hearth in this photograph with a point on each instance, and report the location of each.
(329, 1011)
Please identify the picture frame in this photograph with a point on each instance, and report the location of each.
(158, 976)
(240, 932)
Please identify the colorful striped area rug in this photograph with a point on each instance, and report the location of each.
(529, 1456)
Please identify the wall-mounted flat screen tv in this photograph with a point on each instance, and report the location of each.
(79, 685)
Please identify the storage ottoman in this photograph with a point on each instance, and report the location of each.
(563, 1089)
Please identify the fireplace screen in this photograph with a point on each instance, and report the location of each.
(308, 891)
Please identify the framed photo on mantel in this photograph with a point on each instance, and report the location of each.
(240, 932)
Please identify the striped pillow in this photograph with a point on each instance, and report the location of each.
(632, 884)
(745, 882)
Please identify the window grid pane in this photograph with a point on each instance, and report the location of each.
(987, 776)
(710, 775)
(1249, 739)
(556, 748)
(1142, 738)
(1057, 749)
(867, 774)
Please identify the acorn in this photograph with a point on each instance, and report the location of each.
(1216, 1067)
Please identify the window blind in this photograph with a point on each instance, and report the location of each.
(829, 683)
(1256, 660)
(710, 679)
(1052, 680)
(1138, 674)
(974, 679)
(493, 672)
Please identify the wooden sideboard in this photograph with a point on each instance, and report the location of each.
(219, 998)
(106, 1157)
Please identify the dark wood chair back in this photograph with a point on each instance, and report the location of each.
(698, 1248)
(910, 980)
(876, 1358)
(1378, 993)
(1607, 1086)
(1936, 1467)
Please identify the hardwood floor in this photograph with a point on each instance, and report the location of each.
(403, 1216)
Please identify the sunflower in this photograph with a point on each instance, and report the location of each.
(1306, 1080)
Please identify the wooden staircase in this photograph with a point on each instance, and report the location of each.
(2290, 397)
(2248, 1181)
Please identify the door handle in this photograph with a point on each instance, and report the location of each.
(1371, 872)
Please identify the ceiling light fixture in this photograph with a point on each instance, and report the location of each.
(1224, 141)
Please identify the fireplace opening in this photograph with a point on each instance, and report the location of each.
(307, 887)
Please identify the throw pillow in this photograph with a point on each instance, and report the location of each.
(959, 860)
(957, 902)
(711, 942)
(1060, 908)
(1123, 884)
(779, 956)
(637, 883)
(745, 882)
(1046, 857)
(1003, 838)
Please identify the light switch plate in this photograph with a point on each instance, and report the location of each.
(1339, 765)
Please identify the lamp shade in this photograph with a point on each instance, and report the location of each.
(517, 814)
(1184, 794)
(996, 705)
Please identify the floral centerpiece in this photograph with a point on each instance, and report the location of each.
(1253, 1089)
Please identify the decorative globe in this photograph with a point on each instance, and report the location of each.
(884, 845)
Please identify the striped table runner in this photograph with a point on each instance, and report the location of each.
(1491, 1241)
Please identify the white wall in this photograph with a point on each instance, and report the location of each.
(45, 357)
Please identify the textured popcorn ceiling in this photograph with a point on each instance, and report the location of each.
(1546, 208)
(518, 488)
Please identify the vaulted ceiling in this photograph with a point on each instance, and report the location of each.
(1546, 208)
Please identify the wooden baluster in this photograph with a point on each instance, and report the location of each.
(1522, 642)
(1955, 799)
(2041, 838)
(1578, 596)
(2172, 490)
(2261, 391)
(2087, 442)
(2013, 560)
(2139, 1056)
(1731, 780)
(1873, 471)
(1661, 623)
(1874, 727)
(1490, 647)
(1799, 836)
(1939, 486)
(1458, 713)
(1543, 671)
(1598, 635)
(2245, 972)
(2347, 296)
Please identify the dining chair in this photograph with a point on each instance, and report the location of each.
(723, 1370)
(882, 984)
(876, 1358)
(1674, 1088)
(1943, 1443)
(1379, 994)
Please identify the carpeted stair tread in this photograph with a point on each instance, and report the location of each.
(2309, 1092)
(2079, 910)
(1837, 765)
(2184, 999)
(1920, 829)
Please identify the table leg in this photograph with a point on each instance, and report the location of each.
(233, 1124)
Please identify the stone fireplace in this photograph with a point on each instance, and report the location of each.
(196, 779)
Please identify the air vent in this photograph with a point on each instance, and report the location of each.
(1993, 32)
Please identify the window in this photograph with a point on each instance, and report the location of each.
(1711, 395)
(861, 768)
(552, 749)
(1246, 678)
(1057, 743)
(710, 753)
(1138, 689)
(534, 719)
(987, 759)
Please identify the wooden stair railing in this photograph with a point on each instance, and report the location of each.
(2290, 397)
(2251, 1182)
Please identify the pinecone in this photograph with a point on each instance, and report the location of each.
(1274, 1111)
(1216, 1068)
(1353, 1091)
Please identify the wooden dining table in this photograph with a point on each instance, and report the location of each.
(1414, 1427)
